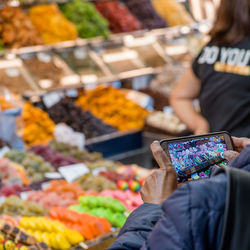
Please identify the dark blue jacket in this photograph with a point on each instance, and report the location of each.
(190, 219)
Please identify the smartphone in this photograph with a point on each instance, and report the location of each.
(193, 156)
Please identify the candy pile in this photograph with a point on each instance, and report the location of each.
(16, 29)
(128, 198)
(88, 226)
(166, 122)
(66, 112)
(59, 193)
(88, 21)
(120, 19)
(79, 154)
(15, 206)
(97, 183)
(53, 233)
(51, 24)
(145, 13)
(12, 174)
(54, 158)
(38, 127)
(173, 12)
(106, 207)
(112, 106)
(34, 165)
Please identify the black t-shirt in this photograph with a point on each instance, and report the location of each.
(225, 87)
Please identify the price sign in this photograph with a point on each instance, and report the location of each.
(72, 172)
(140, 82)
(52, 98)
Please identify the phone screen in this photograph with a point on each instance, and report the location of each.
(194, 157)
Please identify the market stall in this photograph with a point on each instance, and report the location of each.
(84, 89)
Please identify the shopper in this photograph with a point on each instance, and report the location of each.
(220, 76)
(191, 218)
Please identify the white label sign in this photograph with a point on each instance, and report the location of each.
(72, 172)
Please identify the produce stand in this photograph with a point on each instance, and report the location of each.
(91, 99)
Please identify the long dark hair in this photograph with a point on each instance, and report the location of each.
(233, 22)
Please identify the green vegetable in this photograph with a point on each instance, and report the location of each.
(88, 21)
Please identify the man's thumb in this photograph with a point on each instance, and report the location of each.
(230, 155)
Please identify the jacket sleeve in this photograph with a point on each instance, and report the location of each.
(170, 229)
(137, 227)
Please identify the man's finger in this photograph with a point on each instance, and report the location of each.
(160, 156)
(230, 155)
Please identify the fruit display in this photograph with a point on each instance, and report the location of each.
(119, 17)
(97, 183)
(88, 21)
(53, 233)
(14, 206)
(12, 238)
(128, 198)
(45, 70)
(79, 154)
(13, 80)
(67, 112)
(145, 13)
(106, 207)
(160, 98)
(54, 158)
(38, 127)
(4, 104)
(16, 30)
(115, 176)
(51, 24)
(34, 165)
(112, 106)
(88, 226)
(166, 122)
(172, 12)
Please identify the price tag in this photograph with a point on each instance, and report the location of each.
(96, 171)
(12, 72)
(89, 78)
(130, 41)
(3, 151)
(140, 82)
(120, 56)
(72, 93)
(72, 172)
(168, 110)
(44, 57)
(80, 53)
(53, 175)
(52, 98)
(70, 80)
(45, 83)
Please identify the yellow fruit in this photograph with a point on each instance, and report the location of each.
(62, 241)
(73, 237)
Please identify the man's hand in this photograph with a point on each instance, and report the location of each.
(239, 145)
(162, 182)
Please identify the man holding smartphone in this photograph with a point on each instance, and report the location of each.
(191, 216)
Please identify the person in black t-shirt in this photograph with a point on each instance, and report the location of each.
(220, 76)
